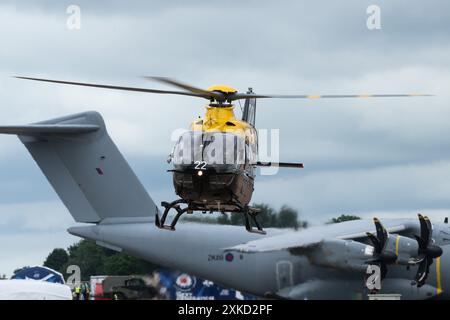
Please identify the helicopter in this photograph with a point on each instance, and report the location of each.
(214, 162)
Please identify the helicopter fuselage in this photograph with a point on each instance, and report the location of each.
(214, 191)
(214, 162)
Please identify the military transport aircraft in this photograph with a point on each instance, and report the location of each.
(99, 188)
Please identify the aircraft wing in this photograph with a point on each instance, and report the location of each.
(341, 246)
(297, 240)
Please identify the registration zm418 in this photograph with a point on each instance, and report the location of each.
(215, 257)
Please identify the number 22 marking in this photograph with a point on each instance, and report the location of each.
(200, 165)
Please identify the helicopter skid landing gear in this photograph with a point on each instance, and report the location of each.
(173, 205)
(249, 213)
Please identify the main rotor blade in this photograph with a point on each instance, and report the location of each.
(219, 96)
(238, 96)
(118, 87)
(181, 85)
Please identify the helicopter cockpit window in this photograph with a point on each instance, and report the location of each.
(218, 148)
(251, 152)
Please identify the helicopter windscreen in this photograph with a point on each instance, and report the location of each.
(222, 149)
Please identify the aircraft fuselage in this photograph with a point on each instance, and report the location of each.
(199, 250)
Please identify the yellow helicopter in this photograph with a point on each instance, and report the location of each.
(214, 161)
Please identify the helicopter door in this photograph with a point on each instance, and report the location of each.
(284, 274)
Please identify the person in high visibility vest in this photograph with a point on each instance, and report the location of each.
(77, 292)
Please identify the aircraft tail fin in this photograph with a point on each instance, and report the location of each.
(85, 168)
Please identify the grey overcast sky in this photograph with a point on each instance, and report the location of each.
(385, 157)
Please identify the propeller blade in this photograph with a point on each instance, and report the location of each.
(375, 242)
(421, 242)
(427, 250)
(383, 270)
(429, 229)
(380, 240)
(424, 228)
(238, 96)
(382, 234)
(381, 257)
(422, 273)
(118, 87)
(181, 85)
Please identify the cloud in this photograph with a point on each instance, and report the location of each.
(34, 216)
(28, 249)
(415, 188)
(29, 231)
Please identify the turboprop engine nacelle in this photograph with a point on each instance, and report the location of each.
(353, 255)
(406, 249)
(342, 254)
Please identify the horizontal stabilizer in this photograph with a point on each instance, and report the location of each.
(280, 164)
(37, 129)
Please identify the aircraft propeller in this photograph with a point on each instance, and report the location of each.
(382, 257)
(427, 250)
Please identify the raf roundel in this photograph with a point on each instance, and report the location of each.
(229, 257)
(185, 282)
